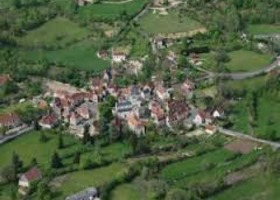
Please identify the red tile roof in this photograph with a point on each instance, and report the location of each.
(4, 79)
(33, 174)
(9, 119)
(50, 119)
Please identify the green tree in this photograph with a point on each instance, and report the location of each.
(77, 157)
(43, 191)
(60, 144)
(56, 161)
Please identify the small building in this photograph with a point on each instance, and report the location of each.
(202, 118)
(49, 121)
(188, 86)
(136, 125)
(103, 54)
(157, 113)
(87, 194)
(218, 113)
(161, 92)
(177, 111)
(123, 109)
(118, 57)
(10, 120)
(26, 179)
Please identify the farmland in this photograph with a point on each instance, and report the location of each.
(264, 29)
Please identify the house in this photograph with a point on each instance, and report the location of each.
(160, 42)
(218, 113)
(75, 119)
(123, 109)
(188, 86)
(161, 92)
(157, 113)
(87, 194)
(96, 84)
(4, 79)
(10, 120)
(146, 92)
(134, 67)
(118, 57)
(135, 124)
(112, 89)
(49, 121)
(202, 118)
(210, 129)
(26, 179)
(177, 111)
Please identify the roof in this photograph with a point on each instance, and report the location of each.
(49, 119)
(9, 119)
(84, 195)
(33, 174)
(133, 120)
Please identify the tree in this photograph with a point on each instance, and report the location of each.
(34, 162)
(9, 174)
(43, 138)
(56, 161)
(60, 144)
(43, 191)
(13, 193)
(77, 158)
(16, 162)
(86, 135)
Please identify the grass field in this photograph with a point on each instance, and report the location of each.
(264, 29)
(81, 56)
(171, 23)
(56, 32)
(240, 61)
(125, 192)
(76, 181)
(188, 167)
(262, 187)
(28, 146)
(111, 11)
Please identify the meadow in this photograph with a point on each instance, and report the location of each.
(81, 56)
(263, 29)
(240, 61)
(111, 12)
(171, 23)
(54, 33)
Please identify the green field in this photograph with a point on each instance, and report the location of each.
(188, 167)
(264, 29)
(111, 11)
(54, 33)
(77, 181)
(125, 192)
(240, 61)
(263, 187)
(171, 23)
(81, 56)
(28, 146)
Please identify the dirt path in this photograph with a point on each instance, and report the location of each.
(117, 2)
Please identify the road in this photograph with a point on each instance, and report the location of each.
(245, 75)
(14, 135)
(227, 132)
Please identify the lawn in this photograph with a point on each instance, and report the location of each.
(171, 23)
(28, 146)
(252, 84)
(243, 60)
(54, 33)
(188, 167)
(111, 11)
(263, 29)
(81, 56)
(76, 181)
(125, 192)
(263, 187)
(240, 61)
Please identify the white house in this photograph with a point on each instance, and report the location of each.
(25, 180)
(119, 57)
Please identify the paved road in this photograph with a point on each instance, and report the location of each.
(227, 132)
(245, 75)
(14, 135)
